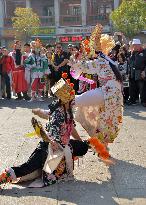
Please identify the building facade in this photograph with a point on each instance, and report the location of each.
(61, 20)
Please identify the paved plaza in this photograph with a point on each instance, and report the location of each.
(95, 183)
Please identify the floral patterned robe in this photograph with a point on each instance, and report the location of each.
(101, 121)
(59, 128)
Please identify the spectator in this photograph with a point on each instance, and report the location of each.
(8, 66)
(49, 48)
(19, 83)
(74, 50)
(123, 68)
(137, 67)
(70, 48)
(51, 77)
(25, 56)
(60, 62)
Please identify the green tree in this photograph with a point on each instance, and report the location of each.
(130, 17)
(25, 22)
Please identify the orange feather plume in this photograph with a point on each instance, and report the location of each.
(100, 148)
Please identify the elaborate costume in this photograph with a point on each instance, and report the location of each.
(18, 75)
(100, 110)
(36, 65)
(54, 156)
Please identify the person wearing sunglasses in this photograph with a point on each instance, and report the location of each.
(60, 62)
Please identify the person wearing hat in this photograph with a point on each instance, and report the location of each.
(137, 64)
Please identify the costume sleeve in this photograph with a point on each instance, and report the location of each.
(55, 125)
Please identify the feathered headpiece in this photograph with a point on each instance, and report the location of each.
(97, 42)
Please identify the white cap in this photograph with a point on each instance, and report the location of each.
(136, 41)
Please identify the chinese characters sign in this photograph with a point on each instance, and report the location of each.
(64, 39)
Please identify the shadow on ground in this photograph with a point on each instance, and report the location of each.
(13, 104)
(134, 111)
(128, 181)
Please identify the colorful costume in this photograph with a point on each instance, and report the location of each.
(100, 110)
(39, 67)
(101, 119)
(54, 156)
(18, 74)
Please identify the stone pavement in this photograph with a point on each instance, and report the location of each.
(94, 184)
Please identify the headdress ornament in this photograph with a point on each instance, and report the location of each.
(63, 89)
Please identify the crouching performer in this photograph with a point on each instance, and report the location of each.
(54, 155)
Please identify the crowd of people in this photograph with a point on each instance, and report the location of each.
(29, 71)
(99, 111)
(101, 80)
(131, 61)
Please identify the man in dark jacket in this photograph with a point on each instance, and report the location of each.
(60, 62)
(137, 63)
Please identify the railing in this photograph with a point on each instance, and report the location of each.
(70, 20)
(93, 19)
(47, 20)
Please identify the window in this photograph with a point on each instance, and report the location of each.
(48, 11)
(98, 11)
(108, 9)
(70, 13)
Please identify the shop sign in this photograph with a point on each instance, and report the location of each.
(64, 39)
(8, 33)
(80, 30)
(47, 31)
(74, 30)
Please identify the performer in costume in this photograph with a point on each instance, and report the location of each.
(38, 63)
(25, 56)
(18, 75)
(54, 156)
(100, 111)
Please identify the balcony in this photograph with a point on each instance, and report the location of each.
(94, 19)
(8, 22)
(47, 20)
(70, 20)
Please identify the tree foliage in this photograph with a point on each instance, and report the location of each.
(25, 22)
(130, 17)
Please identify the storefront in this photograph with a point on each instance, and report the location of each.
(46, 35)
(74, 35)
(8, 36)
